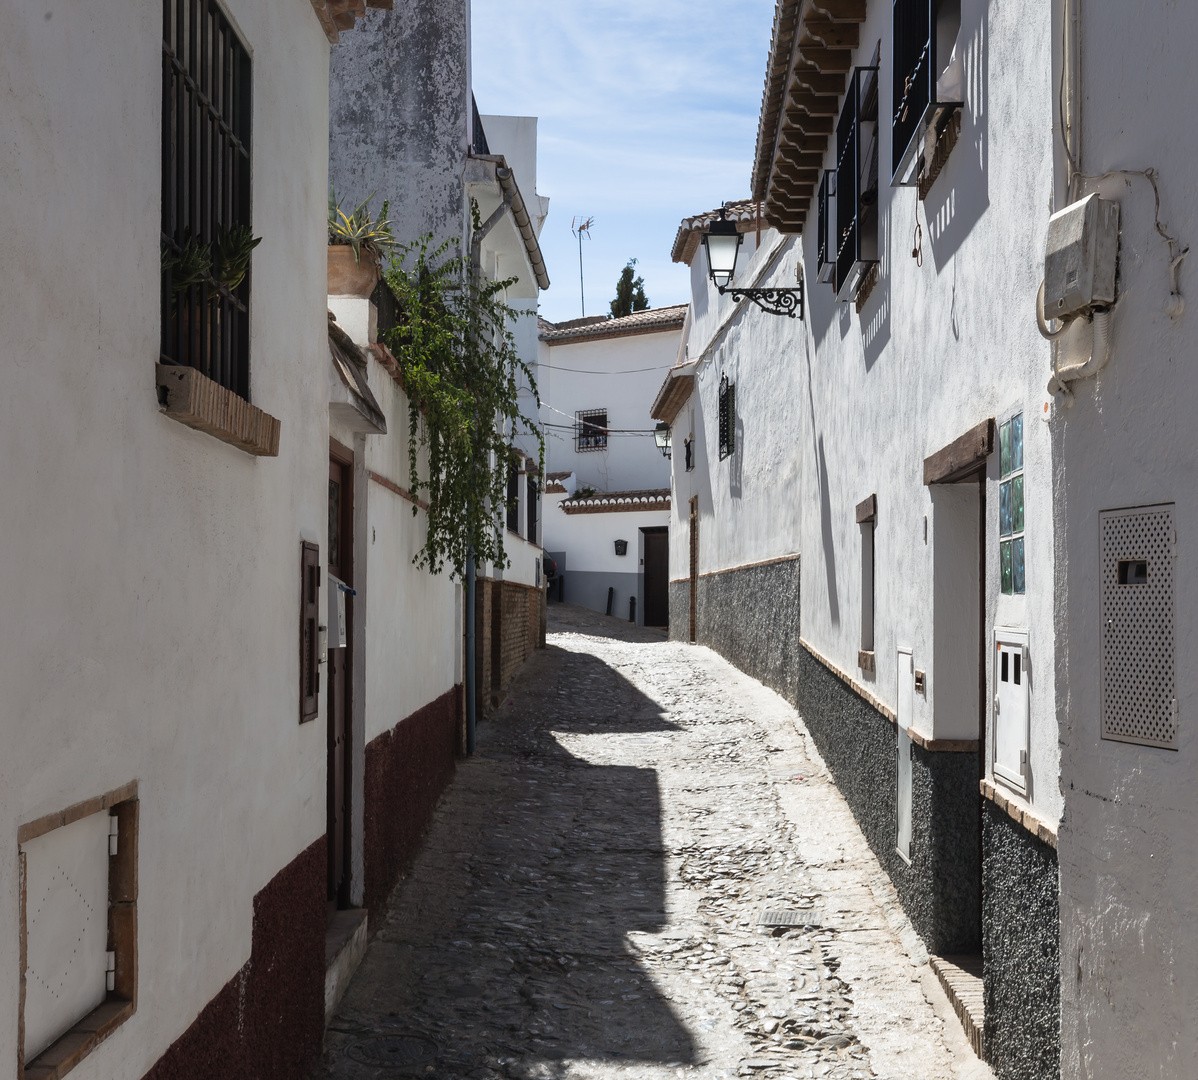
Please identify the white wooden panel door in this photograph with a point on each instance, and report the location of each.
(906, 705)
(66, 928)
(1011, 707)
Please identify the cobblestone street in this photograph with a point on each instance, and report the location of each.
(643, 872)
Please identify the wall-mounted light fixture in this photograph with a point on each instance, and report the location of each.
(722, 242)
(661, 436)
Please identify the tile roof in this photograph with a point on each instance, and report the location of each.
(811, 52)
(649, 321)
(690, 232)
(606, 502)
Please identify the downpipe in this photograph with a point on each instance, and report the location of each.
(471, 674)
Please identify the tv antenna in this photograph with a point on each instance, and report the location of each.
(581, 227)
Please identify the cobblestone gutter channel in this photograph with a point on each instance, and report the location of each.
(594, 895)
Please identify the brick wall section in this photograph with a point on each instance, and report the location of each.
(509, 623)
(267, 1022)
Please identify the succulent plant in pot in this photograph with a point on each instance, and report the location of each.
(358, 242)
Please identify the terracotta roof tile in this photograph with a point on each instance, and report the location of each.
(649, 321)
(690, 232)
(607, 502)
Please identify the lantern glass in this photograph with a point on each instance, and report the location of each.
(661, 436)
(722, 242)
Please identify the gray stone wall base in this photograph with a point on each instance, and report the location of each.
(1021, 961)
(750, 616)
(940, 888)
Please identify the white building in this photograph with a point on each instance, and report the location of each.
(163, 851)
(989, 565)
(606, 516)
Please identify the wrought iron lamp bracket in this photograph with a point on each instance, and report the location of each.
(788, 302)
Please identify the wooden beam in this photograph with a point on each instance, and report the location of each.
(867, 509)
(827, 61)
(815, 104)
(851, 11)
(810, 78)
(803, 159)
(832, 35)
(963, 458)
(801, 120)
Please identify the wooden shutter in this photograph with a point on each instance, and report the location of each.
(309, 638)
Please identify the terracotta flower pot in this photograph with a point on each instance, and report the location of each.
(349, 278)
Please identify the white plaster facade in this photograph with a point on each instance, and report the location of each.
(154, 570)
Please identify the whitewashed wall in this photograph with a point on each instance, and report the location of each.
(751, 503)
(621, 375)
(152, 580)
(1129, 840)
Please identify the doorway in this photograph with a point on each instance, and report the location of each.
(340, 673)
(657, 575)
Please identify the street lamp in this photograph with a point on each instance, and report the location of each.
(661, 436)
(722, 242)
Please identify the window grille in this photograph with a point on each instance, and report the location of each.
(924, 34)
(826, 237)
(1012, 567)
(206, 113)
(591, 430)
(857, 183)
(513, 495)
(478, 137)
(727, 418)
(531, 490)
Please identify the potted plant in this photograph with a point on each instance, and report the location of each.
(357, 244)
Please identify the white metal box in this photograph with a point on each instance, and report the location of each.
(338, 636)
(1080, 257)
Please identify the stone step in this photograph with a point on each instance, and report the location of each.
(961, 977)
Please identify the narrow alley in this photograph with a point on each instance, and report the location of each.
(644, 872)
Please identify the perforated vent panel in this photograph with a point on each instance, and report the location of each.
(1139, 698)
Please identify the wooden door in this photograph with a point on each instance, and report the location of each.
(340, 568)
(657, 577)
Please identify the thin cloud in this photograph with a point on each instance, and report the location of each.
(647, 115)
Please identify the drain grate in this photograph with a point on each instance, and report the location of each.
(393, 1050)
(789, 917)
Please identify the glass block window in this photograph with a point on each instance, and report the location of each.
(1012, 563)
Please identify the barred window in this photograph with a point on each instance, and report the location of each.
(205, 193)
(591, 430)
(727, 418)
(513, 494)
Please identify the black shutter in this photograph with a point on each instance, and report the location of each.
(914, 58)
(309, 632)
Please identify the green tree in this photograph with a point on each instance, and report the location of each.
(630, 293)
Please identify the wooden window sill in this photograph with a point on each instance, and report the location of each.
(189, 396)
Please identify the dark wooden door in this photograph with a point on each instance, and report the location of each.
(340, 567)
(657, 577)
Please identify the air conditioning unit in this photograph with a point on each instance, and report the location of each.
(1080, 258)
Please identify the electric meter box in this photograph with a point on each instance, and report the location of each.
(1080, 257)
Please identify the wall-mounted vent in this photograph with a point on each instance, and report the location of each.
(1139, 693)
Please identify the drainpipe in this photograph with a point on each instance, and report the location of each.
(476, 247)
(471, 716)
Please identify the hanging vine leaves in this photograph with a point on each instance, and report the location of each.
(462, 375)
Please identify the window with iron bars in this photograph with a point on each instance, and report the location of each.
(590, 432)
(206, 110)
(825, 241)
(924, 89)
(513, 495)
(531, 489)
(857, 183)
(727, 418)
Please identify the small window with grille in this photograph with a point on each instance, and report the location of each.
(591, 430)
(727, 418)
(1012, 565)
(206, 238)
(532, 490)
(513, 494)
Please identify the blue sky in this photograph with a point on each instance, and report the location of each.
(648, 114)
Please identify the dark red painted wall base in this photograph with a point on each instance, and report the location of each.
(267, 1023)
(407, 768)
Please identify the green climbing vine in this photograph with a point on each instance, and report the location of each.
(462, 372)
